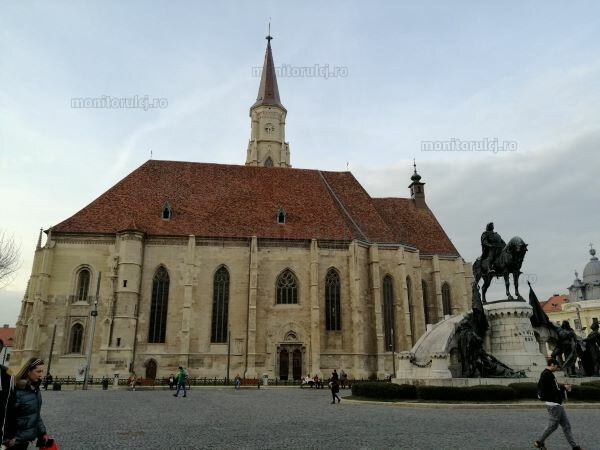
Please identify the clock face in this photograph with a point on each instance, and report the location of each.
(269, 128)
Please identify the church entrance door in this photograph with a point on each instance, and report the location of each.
(297, 364)
(284, 358)
(289, 361)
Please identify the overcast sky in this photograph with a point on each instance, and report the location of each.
(526, 72)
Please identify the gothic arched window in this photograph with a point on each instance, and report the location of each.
(287, 288)
(158, 309)
(333, 316)
(388, 312)
(83, 285)
(220, 306)
(269, 162)
(425, 302)
(446, 299)
(411, 308)
(76, 341)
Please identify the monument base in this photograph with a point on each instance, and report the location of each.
(435, 359)
(511, 337)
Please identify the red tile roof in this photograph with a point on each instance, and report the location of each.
(553, 304)
(7, 336)
(217, 200)
(415, 226)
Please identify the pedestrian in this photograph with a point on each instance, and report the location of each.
(171, 382)
(335, 388)
(132, 381)
(317, 381)
(343, 378)
(7, 404)
(47, 380)
(238, 381)
(553, 394)
(181, 379)
(28, 406)
(334, 376)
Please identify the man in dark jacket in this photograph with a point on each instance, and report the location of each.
(553, 394)
(7, 404)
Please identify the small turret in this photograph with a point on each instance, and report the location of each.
(417, 188)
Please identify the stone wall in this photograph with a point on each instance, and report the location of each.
(259, 327)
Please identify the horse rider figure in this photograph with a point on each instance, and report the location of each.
(491, 246)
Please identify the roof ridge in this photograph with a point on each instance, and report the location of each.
(341, 205)
(389, 229)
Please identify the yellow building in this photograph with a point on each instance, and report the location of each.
(261, 267)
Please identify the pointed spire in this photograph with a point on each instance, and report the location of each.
(415, 177)
(268, 92)
(39, 241)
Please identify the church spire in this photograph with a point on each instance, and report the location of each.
(267, 146)
(268, 92)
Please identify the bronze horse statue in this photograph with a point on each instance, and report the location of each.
(508, 261)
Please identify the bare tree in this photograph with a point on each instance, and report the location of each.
(9, 258)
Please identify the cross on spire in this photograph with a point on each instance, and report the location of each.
(269, 37)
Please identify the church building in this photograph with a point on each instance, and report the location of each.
(261, 268)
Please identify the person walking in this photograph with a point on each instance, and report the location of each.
(335, 388)
(132, 381)
(28, 406)
(47, 381)
(181, 379)
(553, 394)
(238, 382)
(343, 379)
(335, 377)
(7, 404)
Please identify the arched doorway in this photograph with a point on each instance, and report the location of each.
(151, 370)
(284, 360)
(297, 364)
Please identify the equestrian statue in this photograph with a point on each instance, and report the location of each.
(499, 259)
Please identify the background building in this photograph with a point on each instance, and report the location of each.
(261, 268)
(7, 335)
(582, 307)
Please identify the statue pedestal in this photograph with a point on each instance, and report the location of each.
(511, 337)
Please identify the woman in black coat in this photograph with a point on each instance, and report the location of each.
(28, 407)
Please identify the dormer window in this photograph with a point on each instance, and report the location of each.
(167, 212)
(281, 216)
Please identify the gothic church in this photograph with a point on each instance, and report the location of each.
(262, 268)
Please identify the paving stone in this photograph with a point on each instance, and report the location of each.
(277, 418)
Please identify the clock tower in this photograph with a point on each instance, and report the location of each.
(267, 146)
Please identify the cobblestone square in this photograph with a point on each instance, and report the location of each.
(278, 418)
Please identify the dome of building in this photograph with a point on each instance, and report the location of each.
(591, 272)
